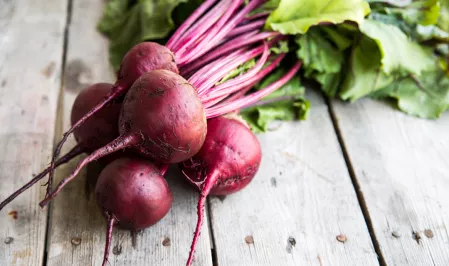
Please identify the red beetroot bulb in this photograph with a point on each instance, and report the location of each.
(133, 194)
(226, 163)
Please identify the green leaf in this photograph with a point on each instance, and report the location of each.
(268, 6)
(364, 74)
(426, 96)
(259, 118)
(427, 33)
(424, 12)
(318, 54)
(128, 23)
(330, 82)
(286, 103)
(321, 60)
(394, 20)
(337, 37)
(443, 21)
(280, 47)
(398, 53)
(297, 16)
(400, 3)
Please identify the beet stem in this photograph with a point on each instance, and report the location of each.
(187, 23)
(258, 15)
(111, 222)
(245, 28)
(115, 92)
(227, 47)
(207, 186)
(164, 169)
(216, 34)
(199, 76)
(212, 36)
(202, 25)
(241, 81)
(119, 143)
(254, 97)
(77, 150)
(246, 85)
(200, 28)
(210, 81)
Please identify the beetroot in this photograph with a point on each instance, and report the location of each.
(97, 131)
(227, 162)
(166, 109)
(142, 58)
(162, 118)
(101, 128)
(205, 28)
(132, 194)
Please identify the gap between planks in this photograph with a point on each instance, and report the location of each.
(355, 182)
(59, 116)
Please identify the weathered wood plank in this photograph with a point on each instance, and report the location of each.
(299, 202)
(402, 165)
(31, 48)
(74, 217)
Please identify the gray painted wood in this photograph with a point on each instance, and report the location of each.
(299, 202)
(402, 165)
(73, 217)
(31, 44)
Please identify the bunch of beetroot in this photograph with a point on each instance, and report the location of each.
(171, 105)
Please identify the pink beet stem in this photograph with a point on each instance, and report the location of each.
(246, 28)
(237, 80)
(188, 22)
(222, 72)
(111, 222)
(115, 92)
(204, 23)
(214, 21)
(229, 46)
(75, 151)
(248, 83)
(207, 186)
(254, 97)
(240, 93)
(119, 143)
(164, 169)
(258, 15)
(216, 52)
(198, 78)
(216, 34)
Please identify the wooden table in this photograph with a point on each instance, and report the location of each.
(355, 184)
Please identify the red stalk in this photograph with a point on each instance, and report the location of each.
(247, 85)
(188, 22)
(252, 98)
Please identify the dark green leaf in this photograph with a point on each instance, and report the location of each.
(364, 74)
(398, 53)
(426, 96)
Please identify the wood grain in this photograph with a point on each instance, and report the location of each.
(77, 231)
(402, 166)
(31, 49)
(299, 202)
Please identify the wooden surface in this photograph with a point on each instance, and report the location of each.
(30, 62)
(300, 201)
(359, 184)
(402, 166)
